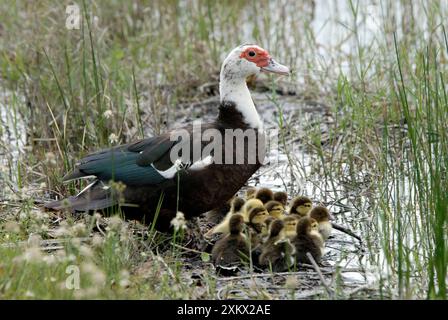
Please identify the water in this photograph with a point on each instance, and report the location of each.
(12, 139)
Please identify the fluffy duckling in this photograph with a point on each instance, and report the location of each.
(266, 225)
(276, 251)
(290, 221)
(250, 193)
(322, 216)
(248, 206)
(275, 209)
(256, 224)
(265, 195)
(308, 239)
(257, 218)
(281, 197)
(233, 248)
(301, 206)
(236, 206)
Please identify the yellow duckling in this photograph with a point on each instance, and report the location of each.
(308, 239)
(257, 218)
(233, 248)
(275, 209)
(301, 206)
(322, 216)
(265, 195)
(277, 251)
(223, 227)
(248, 206)
(281, 197)
(290, 221)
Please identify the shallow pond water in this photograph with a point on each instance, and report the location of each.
(12, 139)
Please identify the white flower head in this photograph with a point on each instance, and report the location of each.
(179, 222)
(79, 229)
(115, 223)
(108, 114)
(124, 279)
(86, 251)
(96, 274)
(49, 259)
(97, 241)
(31, 255)
(50, 158)
(113, 138)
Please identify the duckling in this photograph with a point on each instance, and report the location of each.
(250, 193)
(301, 206)
(257, 217)
(236, 206)
(275, 209)
(281, 197)
(248, 205)
(266, 225)
(307, 239)
(322, 216)
(233, 248)
(276, 251)
(265, 195)
(290, 221)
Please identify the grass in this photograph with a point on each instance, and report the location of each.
(126, 71)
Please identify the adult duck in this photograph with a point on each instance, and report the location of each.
(179, 170)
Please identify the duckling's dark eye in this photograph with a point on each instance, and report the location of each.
(251, 53)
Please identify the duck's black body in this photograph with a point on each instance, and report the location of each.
(138, 166)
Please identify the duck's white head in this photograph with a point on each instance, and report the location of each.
(249, 59)
(242, 62)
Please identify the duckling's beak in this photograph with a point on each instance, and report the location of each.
(275, 67)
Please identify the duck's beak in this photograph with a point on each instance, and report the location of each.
(275, 67)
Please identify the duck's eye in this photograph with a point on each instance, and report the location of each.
(252, 54)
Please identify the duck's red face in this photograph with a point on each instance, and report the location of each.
(256, 55)
(263, 60)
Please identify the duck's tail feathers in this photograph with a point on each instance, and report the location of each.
(95, 196)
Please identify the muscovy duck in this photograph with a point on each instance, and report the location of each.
(166, 173)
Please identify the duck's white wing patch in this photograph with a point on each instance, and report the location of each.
(87, 188)
(178, 165)
(80, 178)
(201, 164)
(171, 171)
